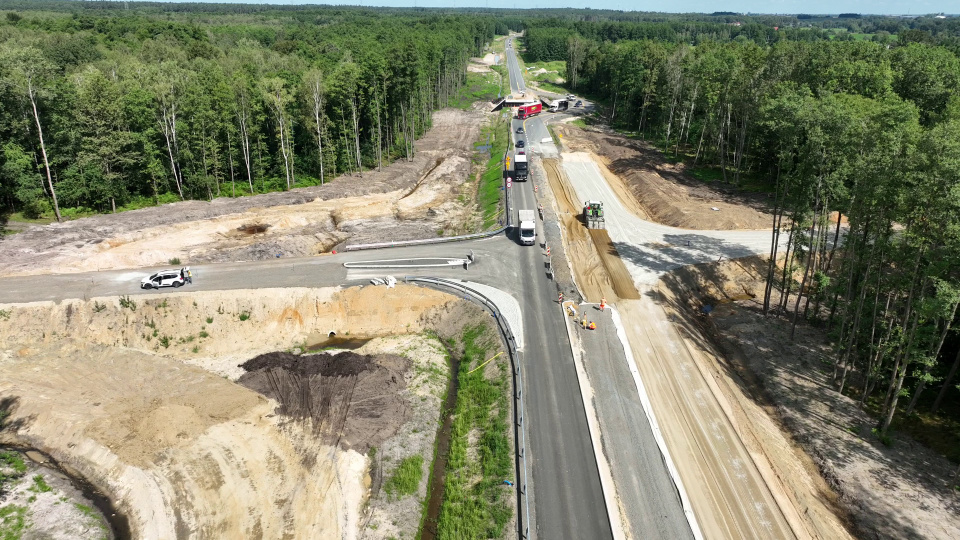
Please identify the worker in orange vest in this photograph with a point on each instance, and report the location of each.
(592, 326)
(603, 303)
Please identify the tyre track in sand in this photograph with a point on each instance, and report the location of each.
(599, 270)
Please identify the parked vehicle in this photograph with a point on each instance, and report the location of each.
(528, 227)
(167, 278)
(520, 129)
(578, 103)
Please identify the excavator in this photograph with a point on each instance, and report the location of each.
(593, 215)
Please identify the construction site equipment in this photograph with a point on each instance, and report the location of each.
(593, 215)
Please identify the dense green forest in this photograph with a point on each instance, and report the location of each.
(104, 107)
(838, 131)
(850, 120)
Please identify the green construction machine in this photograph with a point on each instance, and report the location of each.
(593, 215)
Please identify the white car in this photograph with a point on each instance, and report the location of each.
(167, 278)
(571, 96)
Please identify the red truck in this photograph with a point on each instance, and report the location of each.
(526, 111)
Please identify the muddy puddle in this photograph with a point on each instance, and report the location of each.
(337, 342)
(84, 492)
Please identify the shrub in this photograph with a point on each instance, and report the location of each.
(174, 261)
(126, 302)
(244, 315)
(406, 479)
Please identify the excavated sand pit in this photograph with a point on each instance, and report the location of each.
(353, 401)
(138, 398)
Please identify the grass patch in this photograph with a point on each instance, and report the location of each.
(553, 135)
(476, 501)
(12, 467)
(406, 479)
(550, 87)
(13, 522)
(40, 485)
(479, 87)
(489, 189)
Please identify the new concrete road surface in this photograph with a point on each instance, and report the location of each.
(651, 504)
(728, 493)
(650, 249)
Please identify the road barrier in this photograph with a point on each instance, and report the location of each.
(523, 522)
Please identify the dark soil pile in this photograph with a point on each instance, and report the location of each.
(354, 401)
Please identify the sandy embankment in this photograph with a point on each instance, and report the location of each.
(140, 401)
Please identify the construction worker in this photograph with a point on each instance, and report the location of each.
(583, 323)
(592, 326)
(603, 303)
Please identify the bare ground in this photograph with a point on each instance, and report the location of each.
(903, 491)
(425, 197)
(164, 431)
(666, 192)
(788, 497)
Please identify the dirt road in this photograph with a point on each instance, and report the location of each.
(666, 192)
(405, 200)
(736, 490)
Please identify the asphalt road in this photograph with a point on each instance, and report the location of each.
(567, 494)
(536, 130)
(644, 486)
(568, 502)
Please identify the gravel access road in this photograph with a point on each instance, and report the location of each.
(649, 249)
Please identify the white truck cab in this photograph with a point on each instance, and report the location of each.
(528, 227)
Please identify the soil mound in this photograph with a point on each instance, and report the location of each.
(666, 192)
(354, 401)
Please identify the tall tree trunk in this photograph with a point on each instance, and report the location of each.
(168, 125)
(317, 92)
(933, 361)
(245, 146)
(946, 384)
(43, 150)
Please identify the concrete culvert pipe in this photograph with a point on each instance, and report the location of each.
(331, 334)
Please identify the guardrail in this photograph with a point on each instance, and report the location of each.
(523, 523)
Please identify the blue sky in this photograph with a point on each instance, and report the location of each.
(915, 7)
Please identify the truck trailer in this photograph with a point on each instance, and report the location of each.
(528, 227)
(526, 111)
(559, 105)
(520, 167)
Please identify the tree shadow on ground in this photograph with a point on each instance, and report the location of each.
(8, 427)
(679, 250)
(792, 381)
